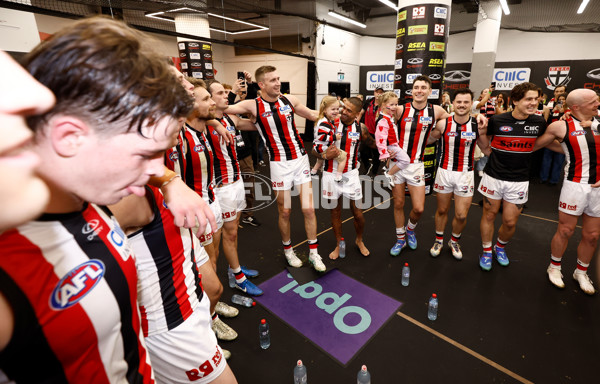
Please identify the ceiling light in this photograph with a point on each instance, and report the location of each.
(346, 19)
(505, 7)
(389, 4)
(162, 16)
(584, 3)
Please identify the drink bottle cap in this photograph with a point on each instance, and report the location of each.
(263, 321)
(299, 363)
(364, 368)
(254, 303)
(434, 295)
(342, 239)
(406, 264)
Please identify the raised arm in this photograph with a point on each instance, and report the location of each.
(243, 124)
(243, 107)
(484, 99)
(302, 110)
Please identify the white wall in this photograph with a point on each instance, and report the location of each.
(340, 53)
(377, 51)
(18, 31)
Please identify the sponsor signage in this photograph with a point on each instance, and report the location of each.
(336, 312)
(383, 79)
(417, 30)
(402, 15)
(440, 12)
(437, 46)
(507, 78)
(557, 76)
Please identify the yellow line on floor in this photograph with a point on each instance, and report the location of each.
(465, 349)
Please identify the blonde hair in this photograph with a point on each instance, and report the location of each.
(326, 103)
(387, 96)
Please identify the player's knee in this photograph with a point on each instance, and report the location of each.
(442, 211)
(398, 204)
(590, 237)
(308, 212)
(418, 210)
(461, 217)
(565, 231)
(285, 213)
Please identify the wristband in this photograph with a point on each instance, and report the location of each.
(171, 179)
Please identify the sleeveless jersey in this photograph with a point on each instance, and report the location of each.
(226, 165)
(512, 145)
(349, 143)
(414, 127)
(175, 156)
(458, 145)
(488, 110)
(582, 150)
(385, 134)
(325, 135)
(169, 287)
(275, 123)
(72, 284)
(199, 173)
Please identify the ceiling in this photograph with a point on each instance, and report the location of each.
(291, 17)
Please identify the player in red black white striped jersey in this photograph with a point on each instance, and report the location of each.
(351, 133)
(70, 277)
(415, 120)
(273, 114)
(580, 196)
(175, 312)
(454, 178)
(505, 178)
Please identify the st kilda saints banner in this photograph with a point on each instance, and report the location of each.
(421, 38)
(196, 59)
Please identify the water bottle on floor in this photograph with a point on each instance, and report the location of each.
(432, 308)
(263, 334)
(231, 278)
(363, 377)
(342, 248)
(242, 300)
(405, 275)
(300, 376)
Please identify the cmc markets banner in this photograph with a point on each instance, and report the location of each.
(421, 37)
(545, 74)
(196, 59)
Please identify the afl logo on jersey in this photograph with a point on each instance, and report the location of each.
(577, 133)
(408, 119)
(452, 134)
(174, 156)
(76, 284)
(199, 148)
(506, 128)
(267, 114)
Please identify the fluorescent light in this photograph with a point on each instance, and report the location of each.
(346, 19)
(584, 3)
(162, 16)
(389, 4)
(505, 7)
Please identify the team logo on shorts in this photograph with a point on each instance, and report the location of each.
(76, 284)
(506, 128)
(417, 178)
(305, 171)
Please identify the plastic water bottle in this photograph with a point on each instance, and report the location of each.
(231, 278)
(405, 275)
(432, 308)
(342, 248)
(264, 334)
(243, 300)
(363, 377)
(300, 376)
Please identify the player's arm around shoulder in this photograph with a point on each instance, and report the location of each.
(243, 107)
(440, 113)
(555, 131)
(243, 124)
(437, 131)
(302, 110)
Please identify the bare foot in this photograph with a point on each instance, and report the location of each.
(335, 254)
(363, 250)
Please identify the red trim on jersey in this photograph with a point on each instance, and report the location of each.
(513, 143)
(144, 320)
(25, 263)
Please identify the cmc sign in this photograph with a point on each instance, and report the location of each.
(380, 79)
(507, 78)
(337, 313)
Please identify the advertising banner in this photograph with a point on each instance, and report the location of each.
(421, 37)
(196, 59)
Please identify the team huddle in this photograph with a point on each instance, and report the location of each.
(134, 170)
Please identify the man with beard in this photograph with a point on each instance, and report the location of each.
(454, 177)
(273, 114)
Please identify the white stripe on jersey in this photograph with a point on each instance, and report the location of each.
(149, 293)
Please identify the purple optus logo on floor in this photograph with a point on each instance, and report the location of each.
(336, 312)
